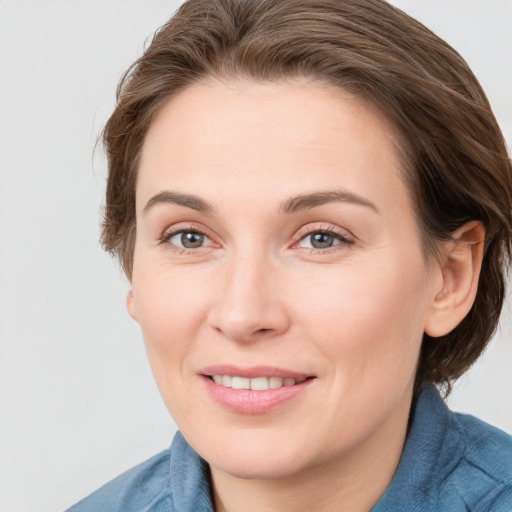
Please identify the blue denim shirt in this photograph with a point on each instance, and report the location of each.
(450, 463)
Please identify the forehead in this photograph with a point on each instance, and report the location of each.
(268, 139)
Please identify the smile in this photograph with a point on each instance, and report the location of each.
(255, 390)
(257, 383)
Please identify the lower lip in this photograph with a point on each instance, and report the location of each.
(247, 401)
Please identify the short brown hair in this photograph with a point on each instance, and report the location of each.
(456, 162)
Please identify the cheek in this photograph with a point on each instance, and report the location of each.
(369, 319)
(170, 312)
(170, 309)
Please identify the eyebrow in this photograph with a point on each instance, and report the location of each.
(307, 201)
(188, 200)
(291, 205)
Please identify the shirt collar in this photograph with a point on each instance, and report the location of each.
(189, 478)
(432, 450)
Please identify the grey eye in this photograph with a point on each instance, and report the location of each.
(321, 240)
(192, 240)
(188, 239)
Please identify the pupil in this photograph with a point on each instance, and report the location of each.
(321, 240)
(191, 240)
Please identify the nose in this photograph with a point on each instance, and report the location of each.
(249, 305)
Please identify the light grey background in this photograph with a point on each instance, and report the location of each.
(78, 401)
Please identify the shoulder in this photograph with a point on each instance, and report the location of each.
(450, 462)
(487, 448)
(144, 487)
(483, 476)
(175, 480)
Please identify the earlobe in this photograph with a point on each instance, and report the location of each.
(130, 305)
(461, 265)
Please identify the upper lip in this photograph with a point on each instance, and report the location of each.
(251, 372)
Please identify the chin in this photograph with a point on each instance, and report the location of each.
(257, 460)
(271, 468)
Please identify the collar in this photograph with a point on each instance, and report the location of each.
(434, 447)
(189, 478)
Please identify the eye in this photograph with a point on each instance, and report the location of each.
(186, 239)
(323, 239)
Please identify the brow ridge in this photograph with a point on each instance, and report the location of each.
(291, 205)
(307, 201)
(189, 200)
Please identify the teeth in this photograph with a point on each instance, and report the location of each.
(257, 383)
(239, 383)
(275, 382)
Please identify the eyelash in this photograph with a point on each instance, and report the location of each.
(343, 238)
(167, 235)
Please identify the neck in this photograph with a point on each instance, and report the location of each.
(349, 482)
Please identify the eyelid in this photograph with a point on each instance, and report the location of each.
(342, 234)
(345, 237)
(172, 231)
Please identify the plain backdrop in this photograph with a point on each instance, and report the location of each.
(78, 401)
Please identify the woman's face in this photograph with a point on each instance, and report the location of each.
(276, 240)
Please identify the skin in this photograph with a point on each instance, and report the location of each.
(257, 293)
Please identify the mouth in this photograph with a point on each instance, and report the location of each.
(254, 390)
(255, 383)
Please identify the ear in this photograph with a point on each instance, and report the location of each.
(460, 268)
(130, 305)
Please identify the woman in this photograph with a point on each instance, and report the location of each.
(313, 204)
